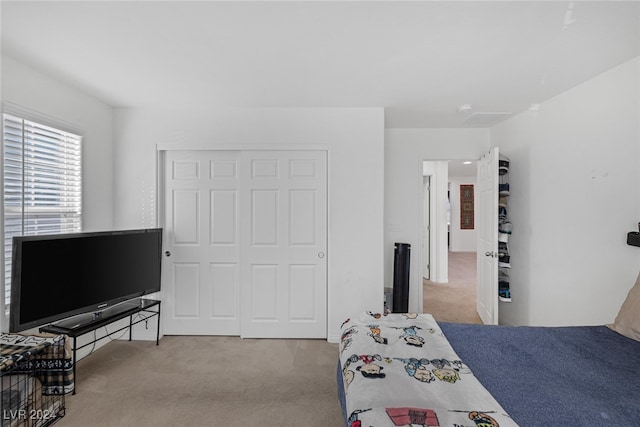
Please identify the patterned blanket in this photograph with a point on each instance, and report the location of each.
(47, 356)
(400, 370)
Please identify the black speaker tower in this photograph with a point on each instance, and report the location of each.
(401, 278)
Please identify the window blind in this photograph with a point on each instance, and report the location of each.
(42, 183)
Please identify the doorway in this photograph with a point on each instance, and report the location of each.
(449, 292)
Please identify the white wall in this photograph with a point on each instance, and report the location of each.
(28, 88)
(405, 151)
(461, 240)
(575, 193)
(355, 140)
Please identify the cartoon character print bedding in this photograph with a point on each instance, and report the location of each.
(400, 370)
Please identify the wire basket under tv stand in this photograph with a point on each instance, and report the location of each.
(74, 329)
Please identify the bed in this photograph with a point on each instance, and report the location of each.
(408, 369)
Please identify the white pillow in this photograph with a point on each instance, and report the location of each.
(627, 322)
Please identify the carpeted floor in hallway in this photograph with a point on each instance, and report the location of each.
(454, 301)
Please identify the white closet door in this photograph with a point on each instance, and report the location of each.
(284, 240)
(240, 228)
(201, 283)
(487, 214)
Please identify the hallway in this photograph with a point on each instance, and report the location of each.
(454, 301)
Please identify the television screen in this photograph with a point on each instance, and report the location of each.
(58, 276)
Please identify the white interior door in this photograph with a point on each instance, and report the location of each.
(284, 244)
(246, 234)
(487, 216)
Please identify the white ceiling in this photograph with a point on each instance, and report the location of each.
(463, 168)
(419, 60)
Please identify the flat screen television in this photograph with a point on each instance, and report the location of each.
(55, 277)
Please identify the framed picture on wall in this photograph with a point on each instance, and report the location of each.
(466, 207)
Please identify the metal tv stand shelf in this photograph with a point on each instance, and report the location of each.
(83, 324)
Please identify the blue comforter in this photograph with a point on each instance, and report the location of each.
(554, 376)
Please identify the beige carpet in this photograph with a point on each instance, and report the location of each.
(207, 381)
(454, 301)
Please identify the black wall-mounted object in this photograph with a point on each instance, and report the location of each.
(401, 278)
(633, 238)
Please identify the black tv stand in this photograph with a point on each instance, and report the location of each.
(83, 324)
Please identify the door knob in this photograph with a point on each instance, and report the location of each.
(320, 254)
(167, 253)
